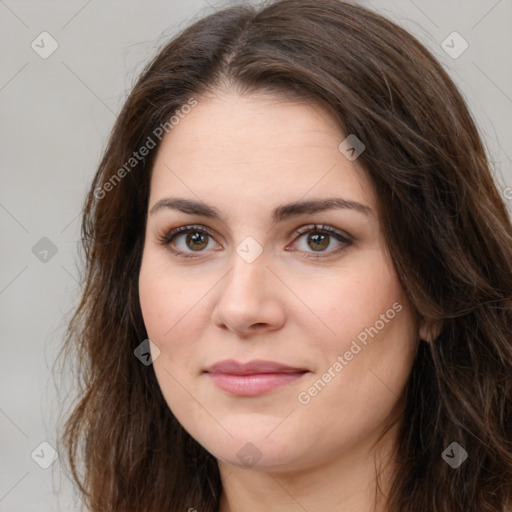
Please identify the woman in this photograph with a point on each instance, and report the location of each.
(298, 279)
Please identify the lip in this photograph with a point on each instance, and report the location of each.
(252, 378)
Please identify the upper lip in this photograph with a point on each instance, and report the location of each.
(255, 366)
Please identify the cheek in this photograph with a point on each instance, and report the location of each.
(371, 326)
(170, 321)
(351, 299)
(155, 303)
(166, 299)
(359, 384)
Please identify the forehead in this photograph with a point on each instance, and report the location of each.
(252, 148)
(260, 120)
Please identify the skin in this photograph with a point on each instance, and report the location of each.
(246, 155)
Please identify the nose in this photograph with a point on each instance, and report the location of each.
(248, 300)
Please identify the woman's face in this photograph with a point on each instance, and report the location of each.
(253, 280)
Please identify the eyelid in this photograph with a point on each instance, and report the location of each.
(340, 236)
(344, 238)
(172, 233)
(322, 228)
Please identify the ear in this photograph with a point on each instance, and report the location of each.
(429, 330)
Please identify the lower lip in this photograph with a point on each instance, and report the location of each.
(253, 385)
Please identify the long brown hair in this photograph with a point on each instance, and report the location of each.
(444, 222)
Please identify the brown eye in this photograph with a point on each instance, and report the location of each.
(196, 241)
(187, 240)
(318, 241)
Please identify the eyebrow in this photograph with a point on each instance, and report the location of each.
(279, 214)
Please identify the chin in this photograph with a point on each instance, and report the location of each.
(253, 448)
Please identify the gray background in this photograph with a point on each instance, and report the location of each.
(56, 115)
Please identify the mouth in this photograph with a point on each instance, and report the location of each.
(254, 378)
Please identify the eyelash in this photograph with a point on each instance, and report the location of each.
(171, 235)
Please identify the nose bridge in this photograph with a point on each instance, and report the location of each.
(246, 296)
(247, 279)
